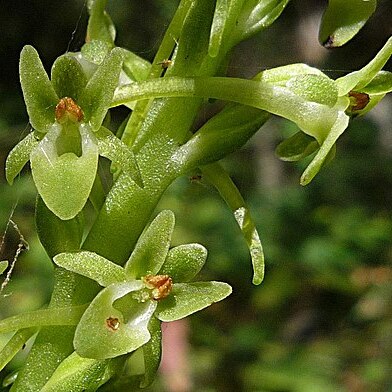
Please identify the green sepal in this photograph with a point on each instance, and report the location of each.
(357, 80)
(218, 177)
(152, 352)
(152, 247)
(38, 92)
(184, 262)
(380, 84)
(3, 266)
(95, 51)
(296, 147)
(100, 26)
(64, 182)
(97, 96)
(257, 15)
(20, 155)
(92, 266)
(304, 81)
(94, 338)
(135, 67)
(343, 19)
(57, 235)
(68, 78)
(82, 374)
(314, 88)
(119, 153)
(188, 298)
(279, 76)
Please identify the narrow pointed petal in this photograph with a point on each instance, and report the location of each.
(38, 92)
(19, 156)
(314, 167)
(361, 78)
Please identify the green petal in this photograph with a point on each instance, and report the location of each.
(3, 266)
(188, 298)
(151, 249)
(119, 153)
(184, 262)
(97, 96)
(152, 351)
(81, 374)
(296, 147)
(38, 92)
(96, 337)
(92, 266)
(19, 156)
(318, 161)
(359, 79)
(68, 77)
(343, 19)
(64, 182)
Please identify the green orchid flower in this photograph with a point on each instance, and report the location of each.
(66, 114)
(349, 96)
(153, 286)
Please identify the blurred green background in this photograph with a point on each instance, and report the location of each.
(322, 319)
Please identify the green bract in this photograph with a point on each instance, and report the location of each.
(120, 318)
(67, 113)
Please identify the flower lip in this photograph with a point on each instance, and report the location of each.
(68, 110)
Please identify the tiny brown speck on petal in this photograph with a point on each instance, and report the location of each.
(113, 323)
